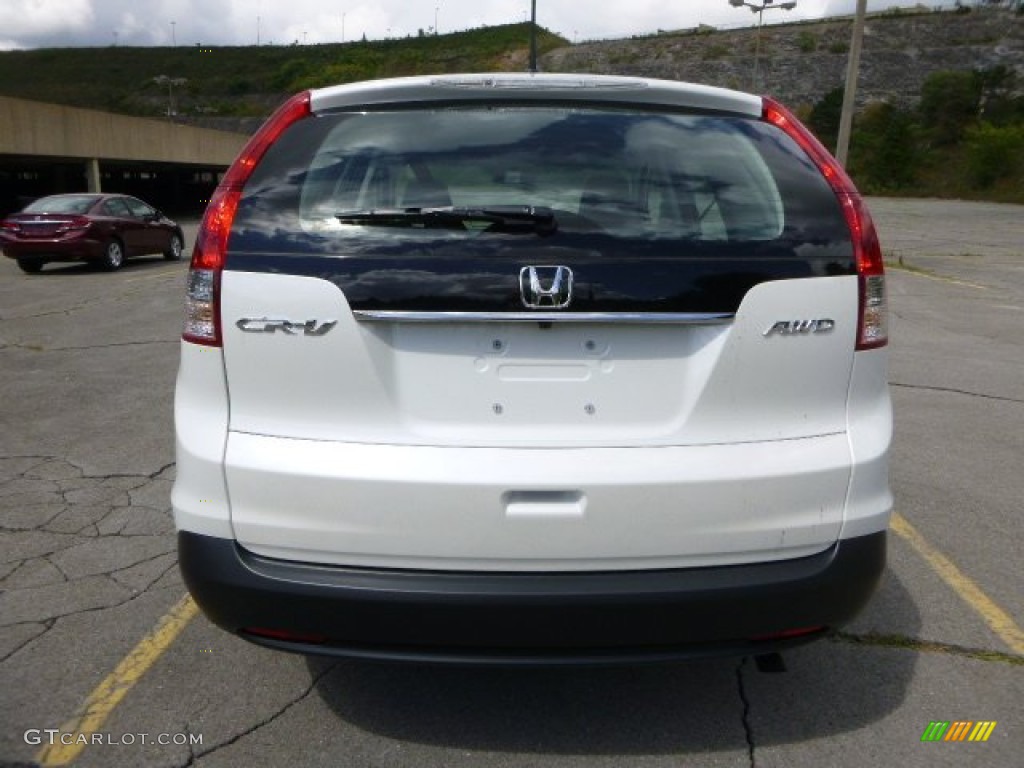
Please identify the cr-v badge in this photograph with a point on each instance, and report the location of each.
(545, 287)
(287, 327)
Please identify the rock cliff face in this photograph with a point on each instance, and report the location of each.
(800, 63)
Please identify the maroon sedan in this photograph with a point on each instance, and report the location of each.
(98, 228)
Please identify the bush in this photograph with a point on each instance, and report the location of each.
(806, 42)
(290, 75)
(716, 51)
(994, 152)
(1001, 102)
(949, 104)
(883, 149)
(824, 117)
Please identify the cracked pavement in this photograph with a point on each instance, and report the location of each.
(88, 559)
(65, 545)
(88, 563)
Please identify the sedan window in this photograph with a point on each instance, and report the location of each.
(139, 209)
(116, 207)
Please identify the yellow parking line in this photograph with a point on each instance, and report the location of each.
(108, 694)
(95, 710)
(998, 620)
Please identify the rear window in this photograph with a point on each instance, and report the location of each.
(442, 210)
(62, 204)
(630, 176)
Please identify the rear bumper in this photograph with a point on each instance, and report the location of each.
(74, 249)
(431, 508)
(511, 618)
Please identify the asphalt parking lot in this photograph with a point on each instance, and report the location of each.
(98, 645)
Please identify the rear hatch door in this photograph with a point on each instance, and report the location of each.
(538, 278)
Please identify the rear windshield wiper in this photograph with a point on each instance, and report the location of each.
(500, 218)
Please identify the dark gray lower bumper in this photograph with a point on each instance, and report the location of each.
(530, 617)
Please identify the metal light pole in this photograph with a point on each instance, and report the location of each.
(759, 9)
(850, 87)
(174, 37)
(170, 82)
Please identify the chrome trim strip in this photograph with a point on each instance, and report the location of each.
(633, 318)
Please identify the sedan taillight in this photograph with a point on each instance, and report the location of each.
(74, 224)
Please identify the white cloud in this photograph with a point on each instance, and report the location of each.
(26, 19)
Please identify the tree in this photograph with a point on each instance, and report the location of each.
(994, 152)
(824, 117)
(884, 148)
(950, 102)
(1000, 102)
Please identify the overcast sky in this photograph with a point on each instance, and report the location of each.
(60, 23)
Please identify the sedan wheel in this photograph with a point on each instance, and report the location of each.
(113, 256)
(31, 266)
(175, 249)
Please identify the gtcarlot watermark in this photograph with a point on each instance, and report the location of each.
(54, 736)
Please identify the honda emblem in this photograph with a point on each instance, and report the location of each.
(545, 287)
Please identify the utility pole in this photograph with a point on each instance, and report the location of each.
(757, 46)
(850, 88)
(533, 35)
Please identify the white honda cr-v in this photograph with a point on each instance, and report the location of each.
(527, 368)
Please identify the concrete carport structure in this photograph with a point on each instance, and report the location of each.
(48, 148)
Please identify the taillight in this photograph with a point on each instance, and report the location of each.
(201, 323)
(73, 224)
(202, 295)
(10, 226)
(872, 324)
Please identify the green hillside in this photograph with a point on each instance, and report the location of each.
(248, 81)
(941, 98)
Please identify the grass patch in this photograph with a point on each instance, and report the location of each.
(894, 260)
(925, 646)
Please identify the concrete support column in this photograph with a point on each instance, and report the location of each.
(92, 174)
